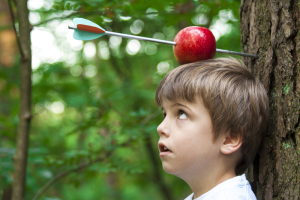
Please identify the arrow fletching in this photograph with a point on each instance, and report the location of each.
(86, 30)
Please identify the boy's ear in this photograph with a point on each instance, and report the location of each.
(231, 144)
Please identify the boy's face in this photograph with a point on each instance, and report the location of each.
(186, 132)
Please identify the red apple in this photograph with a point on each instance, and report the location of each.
(193, 44)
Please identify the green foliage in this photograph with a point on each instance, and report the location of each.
(80, 116)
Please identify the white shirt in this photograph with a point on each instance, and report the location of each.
(237, 188)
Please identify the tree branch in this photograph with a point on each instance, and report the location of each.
(20, 158)
(180, 10)
(63, 174)
(62, 17)
(14, 27)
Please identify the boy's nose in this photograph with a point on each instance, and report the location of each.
(162, 129)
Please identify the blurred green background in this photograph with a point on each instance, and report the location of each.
(95, 99)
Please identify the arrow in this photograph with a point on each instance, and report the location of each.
(86, 30)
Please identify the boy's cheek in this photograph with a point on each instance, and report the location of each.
(182, 123)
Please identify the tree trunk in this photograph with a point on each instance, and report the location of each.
(271, 29)
(20, 158)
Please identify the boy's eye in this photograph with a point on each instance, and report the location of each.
(182, 115)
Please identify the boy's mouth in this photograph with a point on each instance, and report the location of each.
(163, 148)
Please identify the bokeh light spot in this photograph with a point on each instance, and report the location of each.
(169, 30)
(34, 17)
(163, 67)
(220, 28)
(152, 12)
(35, 4)
(114, 41)
(200, 19)
(89, 49)
(133, 47)
(137, 26)
(159, 36)
(103, 50)
(76, 45)
(57, 107)
(125, 18)
(90, 70)
(151, 49)
(76, 70)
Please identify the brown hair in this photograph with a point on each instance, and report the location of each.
(236, 100)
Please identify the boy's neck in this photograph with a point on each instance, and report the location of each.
(202, 184)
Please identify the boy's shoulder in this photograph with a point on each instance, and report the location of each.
(237, 188)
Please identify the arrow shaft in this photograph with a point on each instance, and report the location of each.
(140, 38)
(174, 43)
(169, 42)
(237, 53)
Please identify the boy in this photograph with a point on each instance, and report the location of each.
(215, 117)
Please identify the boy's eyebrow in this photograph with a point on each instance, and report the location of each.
(178, 104)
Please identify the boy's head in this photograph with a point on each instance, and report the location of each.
(235, 100)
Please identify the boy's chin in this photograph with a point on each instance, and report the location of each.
(181, 172)
(171, 170)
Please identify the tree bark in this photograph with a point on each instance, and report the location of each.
(20, 158)
(270, 29)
